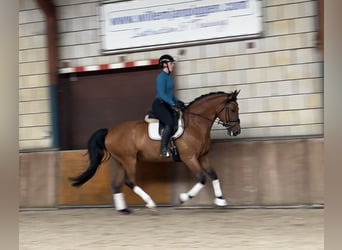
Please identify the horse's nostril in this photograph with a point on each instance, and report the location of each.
(236, 133)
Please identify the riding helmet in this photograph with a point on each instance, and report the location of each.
(165, 59)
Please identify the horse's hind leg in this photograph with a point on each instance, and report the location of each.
(130, 182)
(118, 178)
(219, 200)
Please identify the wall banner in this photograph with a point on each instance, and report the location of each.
(145, 24)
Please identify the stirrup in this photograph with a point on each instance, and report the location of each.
(167, 154)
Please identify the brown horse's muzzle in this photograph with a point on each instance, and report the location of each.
(233, 129)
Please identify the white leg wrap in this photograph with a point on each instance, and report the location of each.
(183, 197)
(195, 189)
(119, 201)
(192, 193)
(220, 202)
(218, 193)
(217, 188)
(149, 202)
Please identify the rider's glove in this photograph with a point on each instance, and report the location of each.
(175, 108)
(180, 105)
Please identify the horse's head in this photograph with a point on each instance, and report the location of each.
(229, 114)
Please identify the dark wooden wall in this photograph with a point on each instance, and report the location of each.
(88, 102)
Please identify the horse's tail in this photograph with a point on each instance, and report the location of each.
(96, 152)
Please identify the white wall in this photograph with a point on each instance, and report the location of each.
(280, 77)
(34, 104)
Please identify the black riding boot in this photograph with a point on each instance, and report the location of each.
(165, 141)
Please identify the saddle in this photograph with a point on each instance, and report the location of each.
(155, 128)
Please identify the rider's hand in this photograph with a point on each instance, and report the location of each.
(180, 105)
(175, 108)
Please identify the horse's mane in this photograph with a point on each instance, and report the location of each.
(209, 94)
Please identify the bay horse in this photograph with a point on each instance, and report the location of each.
(128, 143)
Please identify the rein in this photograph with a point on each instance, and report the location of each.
(201, 116)
(225, 124)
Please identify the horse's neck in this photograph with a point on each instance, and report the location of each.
(207, 107)
(207, 114)
(202, 114)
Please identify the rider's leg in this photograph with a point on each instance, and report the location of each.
(165, 138)
(165, 114)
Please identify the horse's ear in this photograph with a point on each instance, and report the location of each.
(235, 94)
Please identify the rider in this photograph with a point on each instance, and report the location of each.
(166, 103)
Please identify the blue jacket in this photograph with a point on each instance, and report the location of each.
(165, 87)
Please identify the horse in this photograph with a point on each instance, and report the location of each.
(128, 143)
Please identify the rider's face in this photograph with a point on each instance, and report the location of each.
(171, 65)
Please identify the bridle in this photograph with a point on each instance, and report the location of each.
(227, 123)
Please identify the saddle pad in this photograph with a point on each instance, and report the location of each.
(153, 130)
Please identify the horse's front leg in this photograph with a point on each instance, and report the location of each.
(195, 167)
(183, 197)
(219, 200)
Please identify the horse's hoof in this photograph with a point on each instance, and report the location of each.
(125, 211)
(151, 206)
(220, 202)
(183, 197)
(153, 211)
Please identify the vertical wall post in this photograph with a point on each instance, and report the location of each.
(49, 10)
